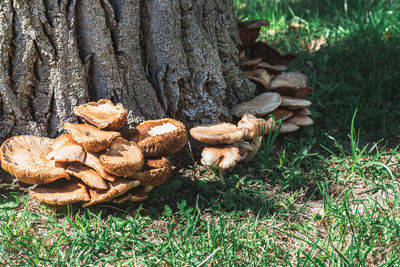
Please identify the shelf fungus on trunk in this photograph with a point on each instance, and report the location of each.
(258, 106)
(24, 157)
(293, 84)
(162, 137)
(92, 161)
(155, 172)
(66, 150)
(123, 158)
(103, 114)
(87, 175)
(89, 137)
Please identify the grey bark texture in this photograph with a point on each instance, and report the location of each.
(159, 58)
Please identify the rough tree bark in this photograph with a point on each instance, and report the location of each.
(158, 57)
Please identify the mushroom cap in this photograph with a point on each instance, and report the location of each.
(155, 172)
(123, 158)
(220, 157)
(102, 114)
(288, 127)
(294, 103)
(270, 54)
(135, 195)
(92, 160)
(89, 137)
(301, 120)
(259, 76)
(290, 79)
(87, 175)
(162, 137)
(65, 149)
(115, 189)
(24, 157)
(216, 133)
(260, 105)
(249, 31)
(253, 127)
(61, 192)
(303, 111)
(282, 114)
(274, 68)
(249, 64)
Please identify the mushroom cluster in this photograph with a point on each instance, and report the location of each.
(285, 92)
(94, 162)
(227, 144)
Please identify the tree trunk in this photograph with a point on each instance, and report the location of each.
(158, 58)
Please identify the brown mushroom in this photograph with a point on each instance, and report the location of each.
(87, 175)
(259, 106)
(65, 150)
(259, 76)
(162, 137)
(282, 114)
(134, 195)
(102, 114)
(294, 103)
(248, 32)
(92, 161)
(115, 189)
(24, 157)
(303, 111)
(216, 133)
(293, 84)
(155, 172)
(287, 127)
(123, 158)
(89, 137)
(61, 192)
(249, 64)
(273, 69)
(301, 120)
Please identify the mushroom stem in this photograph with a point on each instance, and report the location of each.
(221, 175)
(256, 146)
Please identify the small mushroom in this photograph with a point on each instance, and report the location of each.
(249, 64)
(61, 192)
(216, 133)
(24, 157)
(155, 172)
(294, 103)
(282, 114)
(135, 195)
(304, 111)
(123, 158)
(161, 137)
(254, 128)
(291, 84)
(66, 150)
(259, 76)
(260, 105)
(102, 114)
(248, 32)
(115, 189)
(287, 127)
(87, 175)
(273, 69)
(92, 161)
(301, 120)
(89, 137)
(270, 54)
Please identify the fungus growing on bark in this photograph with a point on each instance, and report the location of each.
(248, 32)
(294, 103)
(89, 137)
(249, 64)
(282, 114)
(270, 54)
(155, 172)
(87, 175)
(293, 84)
(217, 133)
(123, 158)
(259, 106)
(24, 157)
(259, 76)
(301, 120)
(162, 137)
(92, 160)
(288, 127)
(61, 192)
(103, 114)
(65, 149)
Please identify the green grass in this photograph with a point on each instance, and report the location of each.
(328, 195)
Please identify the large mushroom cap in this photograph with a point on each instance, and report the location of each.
(217, 133)
(123, 158)
(102, 114)
(116, 188)
(92, 160)
(91, 138)
(61, 192)
(24, 157)
(220, 157)
(87, 175)
(294, 103)
(155, 172)
(65, 149)
(161, 137)
(253, 127)
(260, 105)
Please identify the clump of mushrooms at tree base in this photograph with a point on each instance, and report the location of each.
(94, 162)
